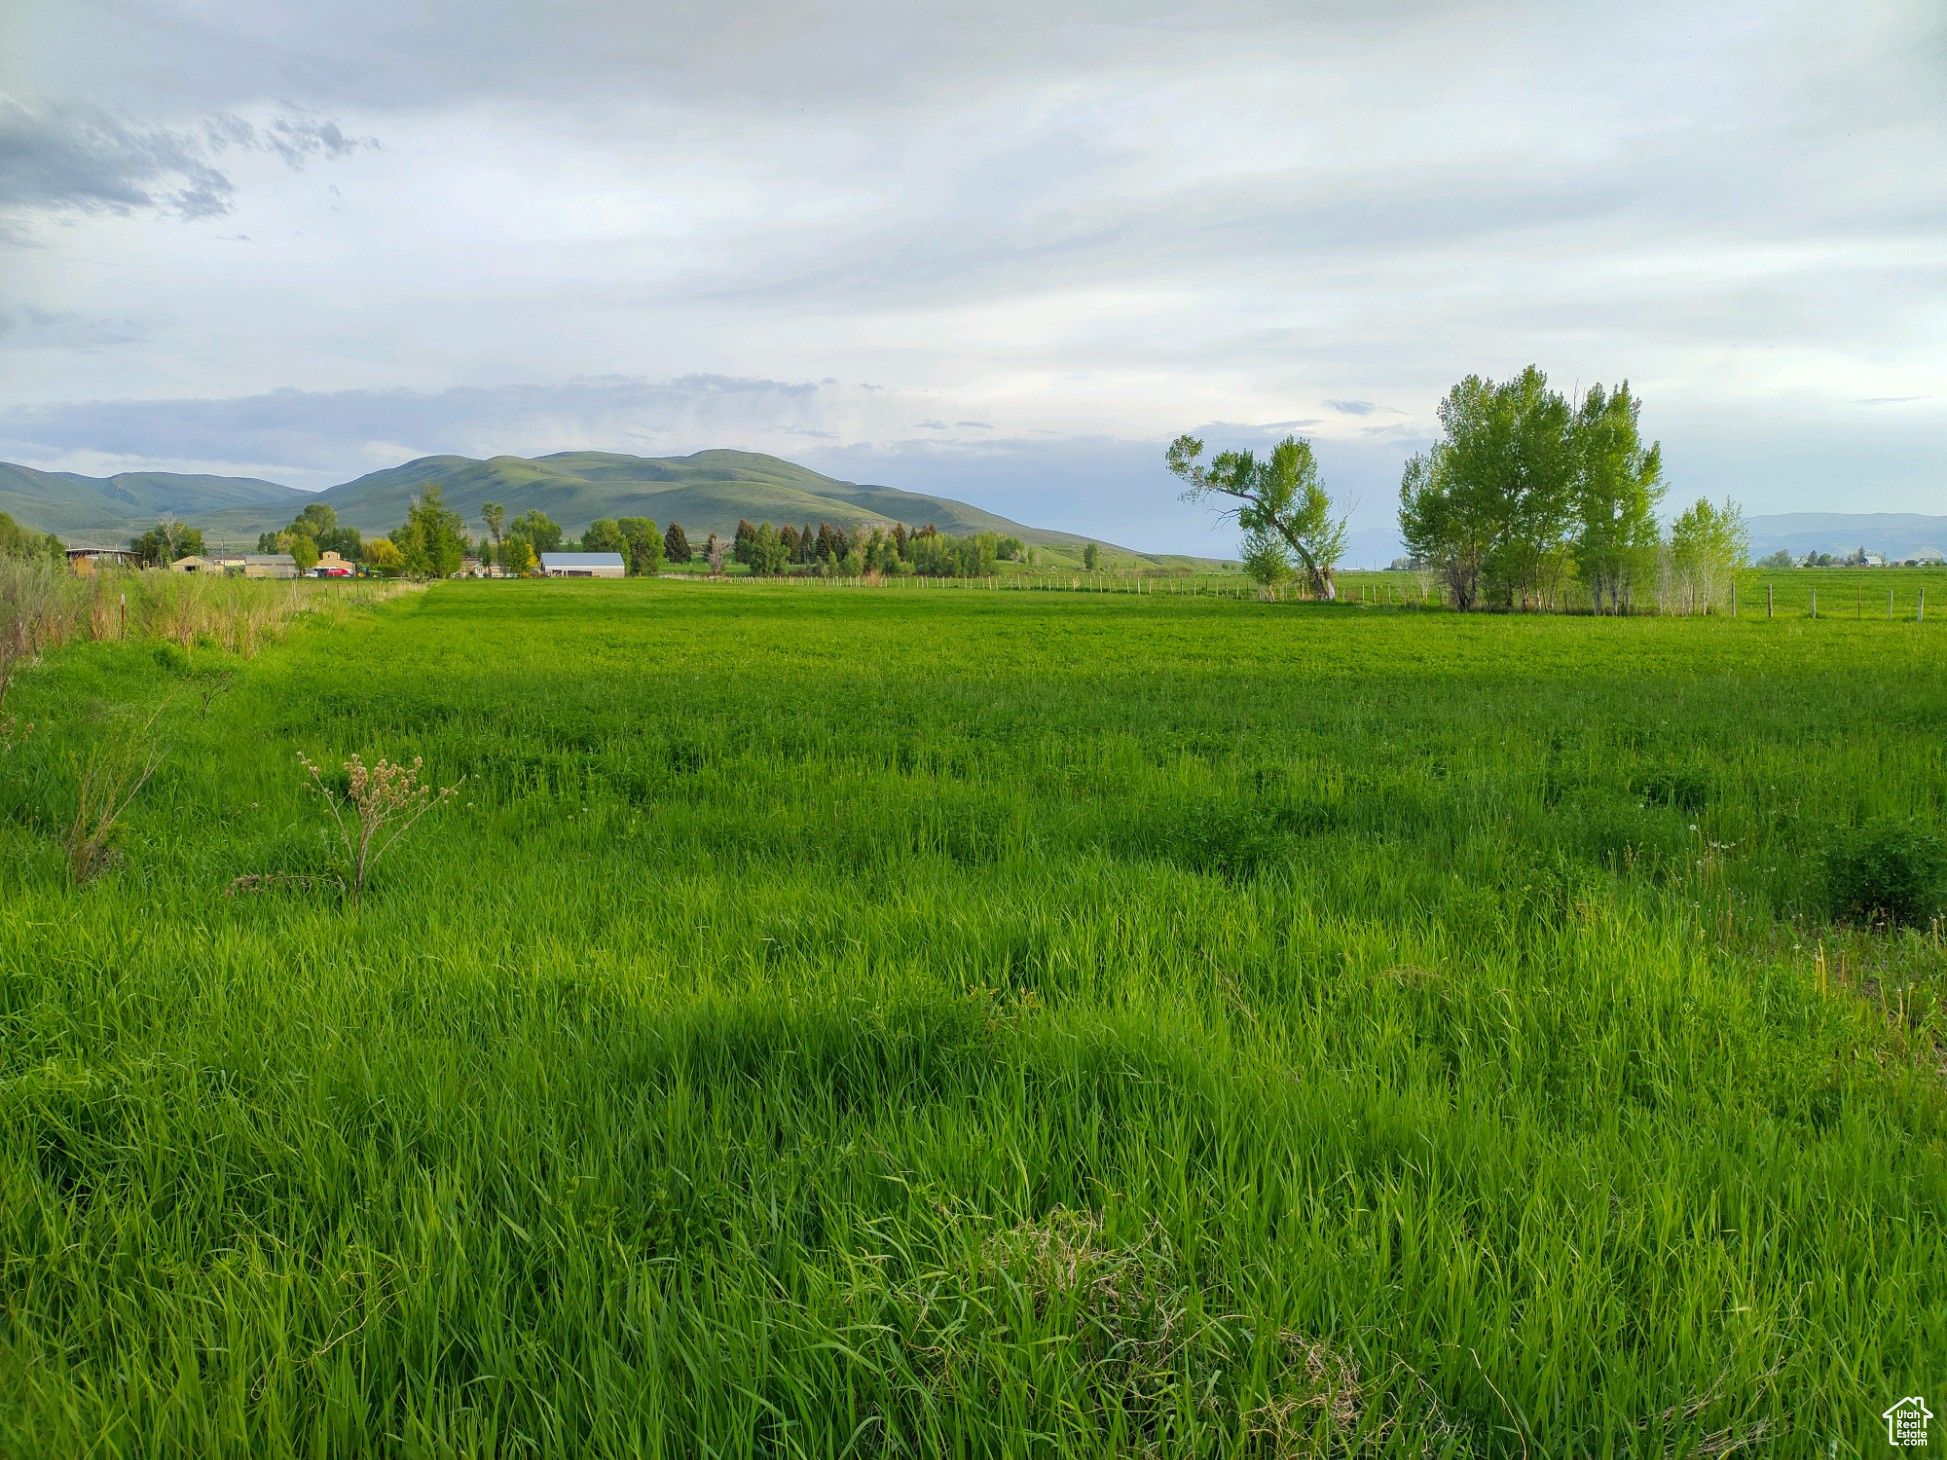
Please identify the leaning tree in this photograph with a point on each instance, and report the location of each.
(1281, 503)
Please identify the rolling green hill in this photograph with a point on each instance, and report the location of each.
(707, 492)
(87, 508)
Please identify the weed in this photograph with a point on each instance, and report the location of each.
(373, 810)
(1887, 871)
(117, 767)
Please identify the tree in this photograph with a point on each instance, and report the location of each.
(517, 556)
(676, 544)
(164, 543)
(642, 546)
(741, 544)
(1618, 485)
(542, 532)
(765, 553)
(1490, 505)
(714, 552)
(429, 540)
(602, 536)
(383, 556)
(1280, 499)
(304, 552)
(494, 514)
(1780, 559)
(1266, 558)
(1091, 556)
(1707, 546)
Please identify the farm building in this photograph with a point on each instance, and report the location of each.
(333, 564)
(583, 565)
(194, 564)
(94, 559)
(260, 565)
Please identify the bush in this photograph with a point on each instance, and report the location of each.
(1886, 872)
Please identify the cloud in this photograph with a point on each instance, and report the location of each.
(26, 326)
(86, 160)
(89, 161)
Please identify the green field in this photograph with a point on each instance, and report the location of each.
(846, 1022)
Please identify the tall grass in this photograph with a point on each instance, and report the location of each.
(979, 1024)
(43, 606)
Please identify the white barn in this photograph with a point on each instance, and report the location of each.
(583, 565)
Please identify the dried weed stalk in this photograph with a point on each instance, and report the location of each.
(117, 769)
(380, 804)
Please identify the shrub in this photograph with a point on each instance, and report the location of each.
(1888, 871)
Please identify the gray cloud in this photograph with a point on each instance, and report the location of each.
(83, 159)
(92, 162)
(1031, 225)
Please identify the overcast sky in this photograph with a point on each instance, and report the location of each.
(1003, 250)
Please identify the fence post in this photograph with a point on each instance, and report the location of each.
(1889, 603)
(1733, 598)
(1920, 615)
(1770, 609)
(1815, 603)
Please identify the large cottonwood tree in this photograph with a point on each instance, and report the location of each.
(1281, 504)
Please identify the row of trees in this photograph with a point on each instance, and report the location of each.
(23, 542)
(1523, 495)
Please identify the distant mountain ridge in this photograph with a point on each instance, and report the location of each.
(67, 504)
(1899, 536)
(706, 492)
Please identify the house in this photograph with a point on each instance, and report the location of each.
(86, 560)
(194, 564)
(583, 565)
(333, 564)
(262, 565)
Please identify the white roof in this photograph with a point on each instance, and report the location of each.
(581, 560)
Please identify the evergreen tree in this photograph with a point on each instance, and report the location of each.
(740, 547)
(676, 544)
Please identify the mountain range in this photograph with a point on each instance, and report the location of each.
(707, 492)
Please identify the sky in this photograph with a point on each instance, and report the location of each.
(1004, 251)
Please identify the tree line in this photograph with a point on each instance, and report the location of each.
(1522, 498)
(433, 542)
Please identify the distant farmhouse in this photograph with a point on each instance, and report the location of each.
(583, 565)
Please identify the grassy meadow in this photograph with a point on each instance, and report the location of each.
(958, 1023)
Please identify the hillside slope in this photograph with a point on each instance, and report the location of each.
(108, 508)
(707, 492)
